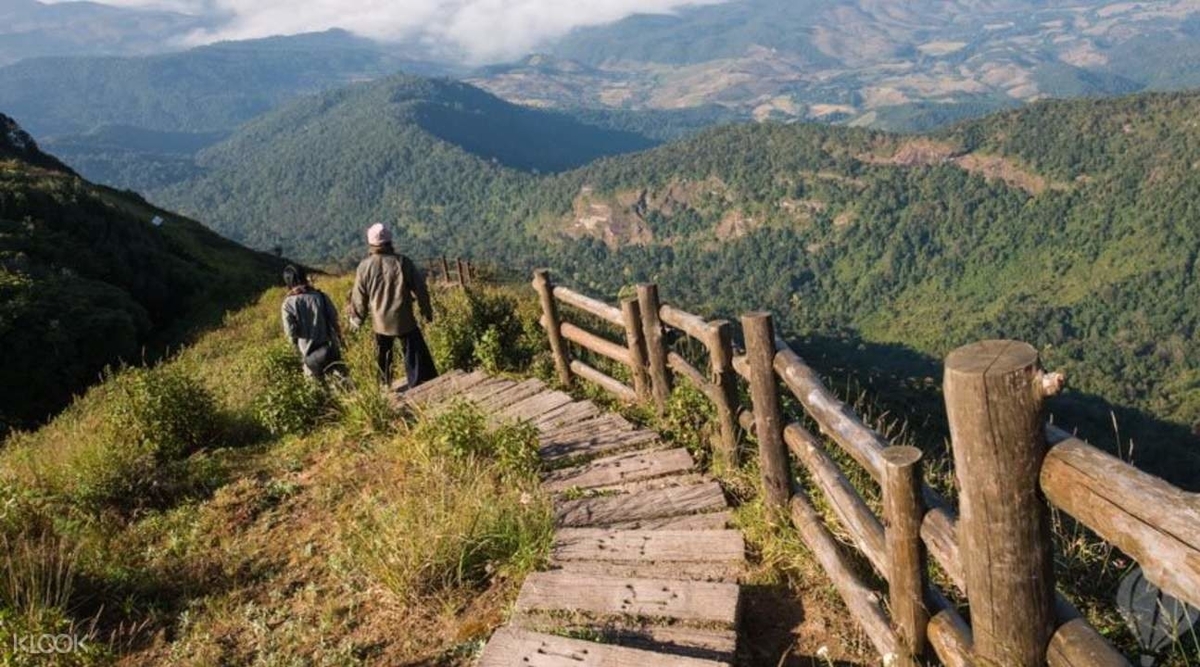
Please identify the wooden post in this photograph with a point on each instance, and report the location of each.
(656, 348)
(445, 269)
(720, 353)
(994, 401)
(558, 346)
(768, 416)
(471, 271)
(634, 337)
(462, 273)
(903, 512)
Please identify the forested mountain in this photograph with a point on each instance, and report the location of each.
(893, 65)
(88, 280)
(1069, 224)
(432, 155)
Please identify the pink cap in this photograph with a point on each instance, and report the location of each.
(377, 234)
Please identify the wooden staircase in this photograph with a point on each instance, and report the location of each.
(644, 567)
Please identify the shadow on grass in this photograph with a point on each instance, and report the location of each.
(771, 618)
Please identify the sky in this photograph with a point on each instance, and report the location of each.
(481, 30)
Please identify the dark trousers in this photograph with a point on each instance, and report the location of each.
(418, 363)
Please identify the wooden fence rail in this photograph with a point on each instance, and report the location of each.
(995, 548)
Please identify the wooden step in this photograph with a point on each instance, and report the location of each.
(572, 413)
(512, 647)
(713, 604)
(696, 546)
(604, 423)
(485, 389)
(585, 445)
(705, 643)
(535, 406)
(516, 394)
(713, 521)
(438, 387)
(620, 469)
(652, 504)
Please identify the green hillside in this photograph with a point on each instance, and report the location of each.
(438, 157)
(1068, 224)
(86, 281)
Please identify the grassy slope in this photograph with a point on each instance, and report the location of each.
(366, 535)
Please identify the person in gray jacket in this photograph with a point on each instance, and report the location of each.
(386, 286)
(310, 322)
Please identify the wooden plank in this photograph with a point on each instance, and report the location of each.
(674, 501)
(606, 382)
(606, 422)
(862, 602)
(399, 385)
(692, 325)
(638, 486)
(864, 528)
(705, 643)
(711, 521)
(535, 406)
(729, 571)
(603, 443)
(701, 602)
(485, 389)
(619, 469)
(1156, 523)
(510, 646)
(431, 392)
(503, 399)
(598, 344)
(610, 314)
(567, 415)
(648, 545)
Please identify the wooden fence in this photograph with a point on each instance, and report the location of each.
(1011, 467)
(461, 272)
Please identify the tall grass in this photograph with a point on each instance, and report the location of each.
(461, 508)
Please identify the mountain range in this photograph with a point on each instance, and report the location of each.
(899, 65)
(1067, 224)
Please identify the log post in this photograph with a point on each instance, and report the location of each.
(462, 273)
(903, 511)
(470, 270)
(768, 415)
(719, 341)
(635, 338)
(550, 320)
(656, 348)
(445, 270)
(995, 397)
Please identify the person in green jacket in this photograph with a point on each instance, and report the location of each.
(386, 286)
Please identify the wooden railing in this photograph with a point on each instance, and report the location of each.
(461, 272)
(1010, 468)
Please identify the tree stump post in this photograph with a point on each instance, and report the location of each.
(720, 353)
(635, 339)
(768, 415)
(656, 348)
(995, 404)
(553, 325)
(903, 511)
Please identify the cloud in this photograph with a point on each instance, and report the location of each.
(479, 30)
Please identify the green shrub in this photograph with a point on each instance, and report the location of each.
(162, 410)
(482, 326)
(289, 402)
(462, 431)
